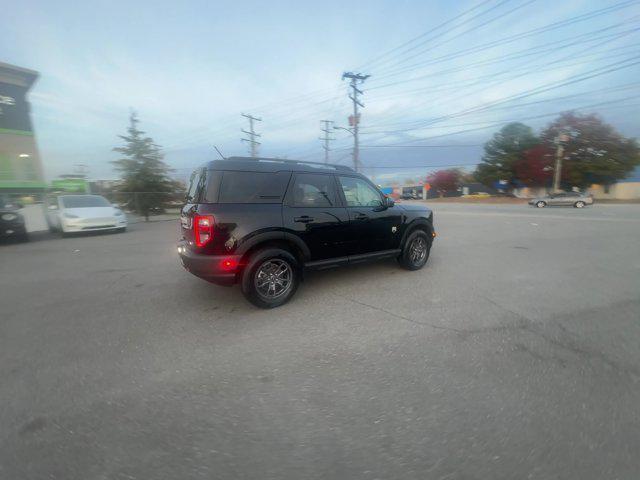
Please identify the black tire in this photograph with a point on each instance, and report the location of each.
(541, 204)
(412, 259)
(579, 204)
(265, 263)
(121, 230)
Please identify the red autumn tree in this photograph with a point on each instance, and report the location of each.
(444, 181)
(535, 167)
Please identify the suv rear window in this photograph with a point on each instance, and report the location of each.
(253, 187)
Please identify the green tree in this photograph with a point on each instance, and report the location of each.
(594, 152)
(144, 174)
(503, 152)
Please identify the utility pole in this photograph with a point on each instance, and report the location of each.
(253, 143)
(354, 121)
(557, 172)
(326, 138)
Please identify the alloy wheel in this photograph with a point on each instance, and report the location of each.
(273, 278)
(418, 250)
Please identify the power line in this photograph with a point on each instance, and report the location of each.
(421, 146)
(534, 91)
(511, 38)
(502, 122)
(253, 143)
(480, 81)
(418, 124)
(442, 165)
(553, 99)
(369, 63)
(470, 30)
(527, 52)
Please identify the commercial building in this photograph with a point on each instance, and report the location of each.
(20, 166)
(626, 189)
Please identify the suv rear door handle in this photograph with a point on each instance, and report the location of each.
(303, 219)
(360, 216)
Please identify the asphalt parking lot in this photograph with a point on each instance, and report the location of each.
(515, 354)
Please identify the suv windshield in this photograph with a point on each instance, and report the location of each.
(84, 201)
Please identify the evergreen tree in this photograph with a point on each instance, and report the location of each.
(144, 174)
(503, 151)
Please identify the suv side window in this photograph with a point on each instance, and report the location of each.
(253, 187)
(358, 193)
(210, 186)
(192, 193)
(312, 190)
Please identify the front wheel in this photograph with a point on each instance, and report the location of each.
(270, 278)
(416, 251)
(579, 204)
(541, 204)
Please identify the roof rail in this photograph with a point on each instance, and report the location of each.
(292, 162)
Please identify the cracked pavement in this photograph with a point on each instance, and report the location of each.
(514, 354)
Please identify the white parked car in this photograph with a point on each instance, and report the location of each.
(84, 213)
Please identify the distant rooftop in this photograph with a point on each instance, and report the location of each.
(15, 75)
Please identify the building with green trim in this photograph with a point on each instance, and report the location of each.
(20, 166)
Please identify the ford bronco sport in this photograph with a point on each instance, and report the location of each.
(261, 222)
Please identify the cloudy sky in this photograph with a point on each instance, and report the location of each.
(443, 74)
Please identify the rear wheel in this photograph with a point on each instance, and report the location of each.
(416, 251)
(541, 204)
(270, 278)
(579, 204)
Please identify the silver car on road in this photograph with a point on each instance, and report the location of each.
(573, 199)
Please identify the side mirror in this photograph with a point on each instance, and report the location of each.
(115, 205)
(389, 202)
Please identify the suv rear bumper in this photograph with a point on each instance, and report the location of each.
(213, 268)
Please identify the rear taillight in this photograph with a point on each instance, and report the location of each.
(203, 229)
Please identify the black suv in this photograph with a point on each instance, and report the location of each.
(260, 222)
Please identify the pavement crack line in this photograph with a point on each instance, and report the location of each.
(523, 323)
(402, 317)
(570, 343)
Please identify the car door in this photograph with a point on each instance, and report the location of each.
(376, 225)
(571, 198)
(313, 212)
(558, 199)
